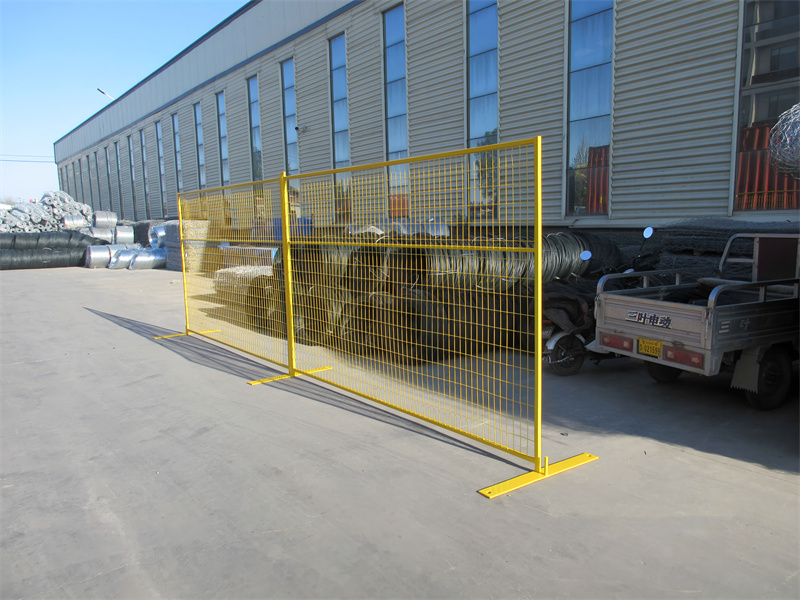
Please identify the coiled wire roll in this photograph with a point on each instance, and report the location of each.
(105, 219)
(157, 236)
(123, 234)
(149, 258)
(121, 259)
(103, 234)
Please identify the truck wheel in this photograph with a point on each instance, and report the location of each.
(567, 356)
(662, 373)
(774, 380)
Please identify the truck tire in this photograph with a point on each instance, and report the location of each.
(662, 373)
(567, 356)
(774, 380)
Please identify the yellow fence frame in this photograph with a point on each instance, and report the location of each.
(541, 467)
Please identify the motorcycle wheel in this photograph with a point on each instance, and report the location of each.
(774, 381)
(662, 373)
(567, 356)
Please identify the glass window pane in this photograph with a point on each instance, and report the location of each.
(590, 41)
(584, 8)
(482, 115)
(340, 115)
(590, 93)
(339, 83)
(288, 101)
(394, 28)
(397, 133)
(255, 117)
(223, 146)
(483, 30)
(291, 157)
(290, 123)
(396, 62)
(476, 5)
(587, 138)
(256, 134)
(223, 126)
(252, 88)
(396, 98)
(483, 74)
(341, 145)
(288, 73)
(338, 55)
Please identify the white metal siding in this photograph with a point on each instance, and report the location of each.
(154, 186)
(674, 93)
(211, 138)
(191, 179)
(236, 110)
(273, 154)
(365, 100)
(312, 91)
(435, 58)
(531, 70)
(170, 180)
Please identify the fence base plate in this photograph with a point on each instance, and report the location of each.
(519, 481)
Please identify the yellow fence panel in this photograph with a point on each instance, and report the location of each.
(415, 283)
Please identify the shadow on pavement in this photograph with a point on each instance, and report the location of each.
(206, 353)
(702, 413)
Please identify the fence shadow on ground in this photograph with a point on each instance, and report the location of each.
(208, 354)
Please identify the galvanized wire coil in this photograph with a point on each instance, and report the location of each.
(149, 258)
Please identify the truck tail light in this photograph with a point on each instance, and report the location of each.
(616, 341)
(684, 357)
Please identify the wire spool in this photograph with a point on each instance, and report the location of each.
(362, 329)
(97, 257)
(104, 219)
(158, 236)
(149, 258)
(367, 271)
(123, 234)
(40, 258)
(102, 234)
(121, 259)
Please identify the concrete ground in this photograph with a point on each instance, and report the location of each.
(135, 468)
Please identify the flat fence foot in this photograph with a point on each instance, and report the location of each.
(287, 375)
(519, 481)
(172, 335)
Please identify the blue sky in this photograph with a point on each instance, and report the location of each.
(55, 54)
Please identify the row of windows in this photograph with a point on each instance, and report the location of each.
(769, 86)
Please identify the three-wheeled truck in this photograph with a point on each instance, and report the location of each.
(747, 324)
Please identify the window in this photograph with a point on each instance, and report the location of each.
(769, 86)
(89, 174)
(591, 30)
(339, 123)
(396, 107)
(108, 180)
(176, 148)
(133, 179)
(161, 179)
(74, 183)
(144, 174)
(119, 181)
(289, 118)
(255, 129)
(201, 156)
(223, 139)
(65, 180)
(482, 100)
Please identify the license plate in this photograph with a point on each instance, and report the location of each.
(650, 347)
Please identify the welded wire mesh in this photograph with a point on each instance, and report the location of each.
(411, 280)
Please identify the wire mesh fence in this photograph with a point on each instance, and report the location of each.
(413, 283)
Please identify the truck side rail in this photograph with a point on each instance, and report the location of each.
(782, 288)
(645, 276)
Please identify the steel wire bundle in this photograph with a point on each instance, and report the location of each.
(55, 211)
(784, 142)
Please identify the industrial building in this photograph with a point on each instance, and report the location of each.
(650, 111)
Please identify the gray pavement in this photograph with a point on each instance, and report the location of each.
(135, 468)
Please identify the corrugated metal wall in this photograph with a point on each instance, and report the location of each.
(239, 152)
(365, 83)
(312, 91)
(191, 179)
(673, 108)
(435, 55)
(170, 180)
(531, 93)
